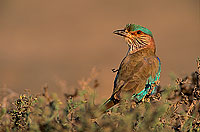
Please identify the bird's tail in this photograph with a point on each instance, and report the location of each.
(108, 104)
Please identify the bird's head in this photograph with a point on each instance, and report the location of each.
(137, 37)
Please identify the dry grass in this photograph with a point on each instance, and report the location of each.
(175, 107)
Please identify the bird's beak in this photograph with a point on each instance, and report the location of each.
(121, 32)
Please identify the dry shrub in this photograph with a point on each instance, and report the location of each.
(175, 107)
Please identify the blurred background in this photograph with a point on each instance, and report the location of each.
(59, 42)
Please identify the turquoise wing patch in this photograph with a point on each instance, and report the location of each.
(149, 82)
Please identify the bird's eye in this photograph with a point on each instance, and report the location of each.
(138, 32)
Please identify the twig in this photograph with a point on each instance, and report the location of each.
(115, 70)
(198, 72)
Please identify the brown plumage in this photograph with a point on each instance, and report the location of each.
(138, 70)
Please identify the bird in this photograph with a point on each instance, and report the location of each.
(139, 71)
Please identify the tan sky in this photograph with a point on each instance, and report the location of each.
(59, 42)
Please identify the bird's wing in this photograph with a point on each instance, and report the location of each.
(133, 75)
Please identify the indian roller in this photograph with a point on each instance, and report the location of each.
(140, 69)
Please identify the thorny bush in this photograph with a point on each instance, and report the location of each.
(175, 107)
